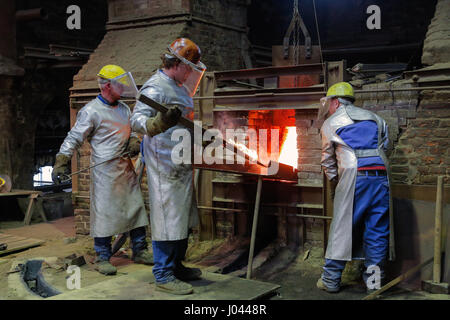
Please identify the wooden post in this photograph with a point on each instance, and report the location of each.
(29, 212)
(254, 227)
(438, 231)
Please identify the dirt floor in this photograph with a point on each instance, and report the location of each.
(295, 271)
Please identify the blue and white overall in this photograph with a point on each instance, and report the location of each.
(353, 144)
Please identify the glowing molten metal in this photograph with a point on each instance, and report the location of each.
(289, 152)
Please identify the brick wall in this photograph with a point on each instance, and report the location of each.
(309, 146)
(135, 9)
(422, 152)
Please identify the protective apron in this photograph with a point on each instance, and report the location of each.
(173, 208)
(338, 159)
(116, 204)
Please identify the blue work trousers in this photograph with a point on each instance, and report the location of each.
(167, 256)
(102, 245)
(370, 225)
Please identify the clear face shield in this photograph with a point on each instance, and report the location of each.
(125, 85)
(196, 73)
(195, 76)
(324, 108)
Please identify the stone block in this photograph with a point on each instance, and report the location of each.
(432, 287)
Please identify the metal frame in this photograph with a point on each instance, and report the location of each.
(213, 100)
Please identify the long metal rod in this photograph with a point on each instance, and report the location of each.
(318, 92)
(254, 227)
(438, 231)
(69, 176)
(191, 125)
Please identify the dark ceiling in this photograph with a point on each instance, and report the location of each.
(342, 24)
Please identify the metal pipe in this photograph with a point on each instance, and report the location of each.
(254, 227)
(320, 92)
(31, 14)
(409, 46)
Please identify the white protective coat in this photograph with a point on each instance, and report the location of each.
(116, 204)
(173, 209)
(338, 159)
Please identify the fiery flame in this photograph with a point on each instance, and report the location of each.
(252, 154)
(289, 152)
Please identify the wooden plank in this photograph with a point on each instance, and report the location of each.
(5, 235)
(24, 245)
(140, 285)
(309, 205)
(20, 242)
(16, 243)
(15, 193)
(12, 239)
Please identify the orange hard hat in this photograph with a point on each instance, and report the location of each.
(185, 49)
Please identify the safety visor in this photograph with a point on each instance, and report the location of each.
(125, 85)
(324, 107)
(194, 78)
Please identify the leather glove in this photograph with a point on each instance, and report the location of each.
(161, 122)
(134, 146)
(172, 116)
(60, 168)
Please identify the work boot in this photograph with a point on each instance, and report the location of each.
(143, 257)
(105, 267)
(187, 274)
(175, 287)
(320, 285)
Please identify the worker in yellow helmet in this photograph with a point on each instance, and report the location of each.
(116, 204)
(354, 141)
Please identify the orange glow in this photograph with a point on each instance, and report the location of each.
(289, 152)
(252, 154)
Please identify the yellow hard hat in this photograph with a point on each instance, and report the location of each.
(341, 90)
(2, 181)
(110, 72)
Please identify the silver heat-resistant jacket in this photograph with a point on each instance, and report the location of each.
(116, 204)
(339, 159)
(173, 209)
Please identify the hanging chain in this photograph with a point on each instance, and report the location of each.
(296, 34)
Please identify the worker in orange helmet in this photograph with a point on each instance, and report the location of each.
(172, 202)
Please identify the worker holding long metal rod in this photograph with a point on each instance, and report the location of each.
(173, 208)
(116, 204)
(354, 141)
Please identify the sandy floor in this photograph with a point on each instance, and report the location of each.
(296, 271)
